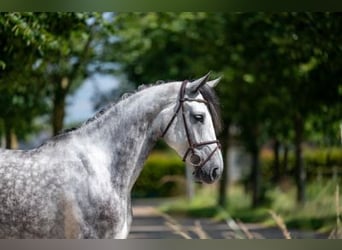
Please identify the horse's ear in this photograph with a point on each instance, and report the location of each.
(213, 83)
(197, 84)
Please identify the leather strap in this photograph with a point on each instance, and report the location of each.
(192, 145)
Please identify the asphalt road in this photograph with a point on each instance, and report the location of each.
(149, 223)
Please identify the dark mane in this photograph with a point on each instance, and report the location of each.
(214, 106)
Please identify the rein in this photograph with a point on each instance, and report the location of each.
(194, 158)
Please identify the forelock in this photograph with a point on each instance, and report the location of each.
(214, 106)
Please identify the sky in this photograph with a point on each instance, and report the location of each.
(80, 105)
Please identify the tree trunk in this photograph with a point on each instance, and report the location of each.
(223, 185)
(58, 112)
(63, 86)
(256, 178)
(11, 140)
(285, 160)
(299, 166)
(255, 175)
(276, 161)
(190, 184)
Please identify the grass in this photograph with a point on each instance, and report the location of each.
(319, 213)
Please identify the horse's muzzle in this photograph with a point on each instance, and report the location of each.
(207, 175)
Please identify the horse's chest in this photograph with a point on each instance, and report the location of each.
(104, 218)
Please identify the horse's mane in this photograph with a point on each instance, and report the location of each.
(208, 94)
(124, 96)
(109, 106)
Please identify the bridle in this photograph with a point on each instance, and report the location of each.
(194, 159)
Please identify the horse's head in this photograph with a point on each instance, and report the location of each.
(191, 128)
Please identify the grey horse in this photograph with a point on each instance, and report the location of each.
(78, 184)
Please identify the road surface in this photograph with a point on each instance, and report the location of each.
(149, 223)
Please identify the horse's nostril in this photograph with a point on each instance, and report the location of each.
(214, 173)
(195, 159)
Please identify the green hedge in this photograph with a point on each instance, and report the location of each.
(162, 176)
(164, 172)
(324, 160)
(328, 157)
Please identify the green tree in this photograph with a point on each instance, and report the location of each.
(67, 60)
(44, 57)
(22, 41)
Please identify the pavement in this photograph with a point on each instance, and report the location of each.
(149, 223)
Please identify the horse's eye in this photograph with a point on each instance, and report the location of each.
(199, 118)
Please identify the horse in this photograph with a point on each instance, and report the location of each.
(78, 184)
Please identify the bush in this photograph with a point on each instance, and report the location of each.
(325, 162)
(162, 176)
(316, 161)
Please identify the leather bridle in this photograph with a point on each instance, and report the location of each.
(194, 159)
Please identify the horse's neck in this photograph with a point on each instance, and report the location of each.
(129, 130)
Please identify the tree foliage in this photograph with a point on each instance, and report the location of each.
(280, 70)
(44, 57)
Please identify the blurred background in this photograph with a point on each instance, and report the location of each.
(280, 93)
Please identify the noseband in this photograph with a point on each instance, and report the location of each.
(194, 159)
